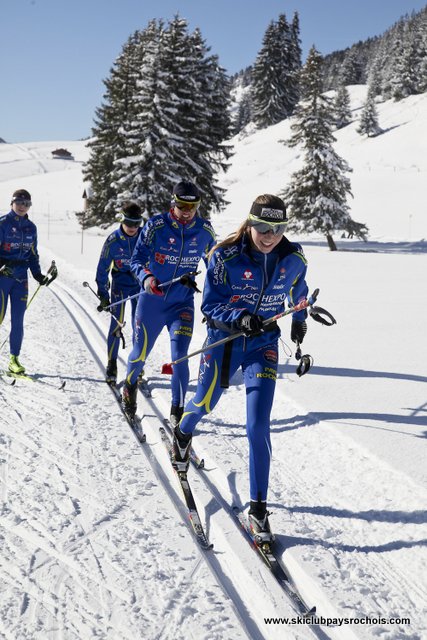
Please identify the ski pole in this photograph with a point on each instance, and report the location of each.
(162, 284)
(179, 278)
(120, 324)
(167, 368)
(53, 272)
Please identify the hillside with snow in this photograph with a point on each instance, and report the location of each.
(92, 526)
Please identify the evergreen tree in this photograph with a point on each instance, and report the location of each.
(404, 81)
(350, 70)
(275, 75)
(342, 107)
(171, 126)
(295, 64)
(108, 135)
(374, 79)
(369, 118)
(266, 90)
(139, 175)
(317, 193)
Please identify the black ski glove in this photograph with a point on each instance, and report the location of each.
(187, 281)
(104, 302)
(298, 331)
(4, 269)
(251, 324)
(41, 279)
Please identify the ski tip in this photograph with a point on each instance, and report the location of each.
(167, 369)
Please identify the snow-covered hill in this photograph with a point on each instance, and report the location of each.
(93, 538)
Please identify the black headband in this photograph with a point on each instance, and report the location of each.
(264, 213)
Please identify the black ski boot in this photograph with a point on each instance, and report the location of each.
(111, 371)
(258, 521)
(175, 415)
(180, 451)
(129, 398)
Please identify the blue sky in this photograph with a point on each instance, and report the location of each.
(54, 54)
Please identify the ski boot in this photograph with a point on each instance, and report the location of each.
(129, 398)
(15, 366)
(111, 371)
(180, 451)
(259, 524)
(175, 415)
(140, 379)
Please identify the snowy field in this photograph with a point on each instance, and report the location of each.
(92, 529)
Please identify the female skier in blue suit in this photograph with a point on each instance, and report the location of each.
(250, 276)
(170, 245)
(18, 253)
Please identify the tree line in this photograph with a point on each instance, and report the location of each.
(168, 111)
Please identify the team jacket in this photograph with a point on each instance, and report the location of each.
(18, 245)
(168, 249)
(236, 282)
(115, 257)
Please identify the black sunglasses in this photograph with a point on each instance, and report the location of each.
(132, 223)
(26, 203)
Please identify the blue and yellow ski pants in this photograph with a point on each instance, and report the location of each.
(259, 368)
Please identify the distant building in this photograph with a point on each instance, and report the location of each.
(62, 154)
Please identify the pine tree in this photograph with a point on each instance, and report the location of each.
(139, 175)
(244, 112)
(350, 70)
(342, 107)
(108, 135)
(275, 75)
(171, 125)
(317, 193)
(266, 90)
(404, 82)
(369, 118)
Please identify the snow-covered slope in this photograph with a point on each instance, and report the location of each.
(94, 543)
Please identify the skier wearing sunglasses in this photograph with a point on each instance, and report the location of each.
(251, 275)
(115, 259)
(18, 253)
(171, 245)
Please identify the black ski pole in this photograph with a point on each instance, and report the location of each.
(120, 324)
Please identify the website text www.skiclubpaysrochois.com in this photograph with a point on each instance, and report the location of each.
(339, 621)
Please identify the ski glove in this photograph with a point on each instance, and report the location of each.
(104, 302)
(251, 324)
(4, 269)
(187, 281)
(298, 331)
(53, 273)
(41, 279)
(151, 286)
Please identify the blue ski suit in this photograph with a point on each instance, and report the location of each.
(115, 258)
(167, 249)
(240, 279)
(18, 253)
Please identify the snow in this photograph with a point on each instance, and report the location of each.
(93, 534)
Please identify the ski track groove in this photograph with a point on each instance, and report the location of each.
(247, 626)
